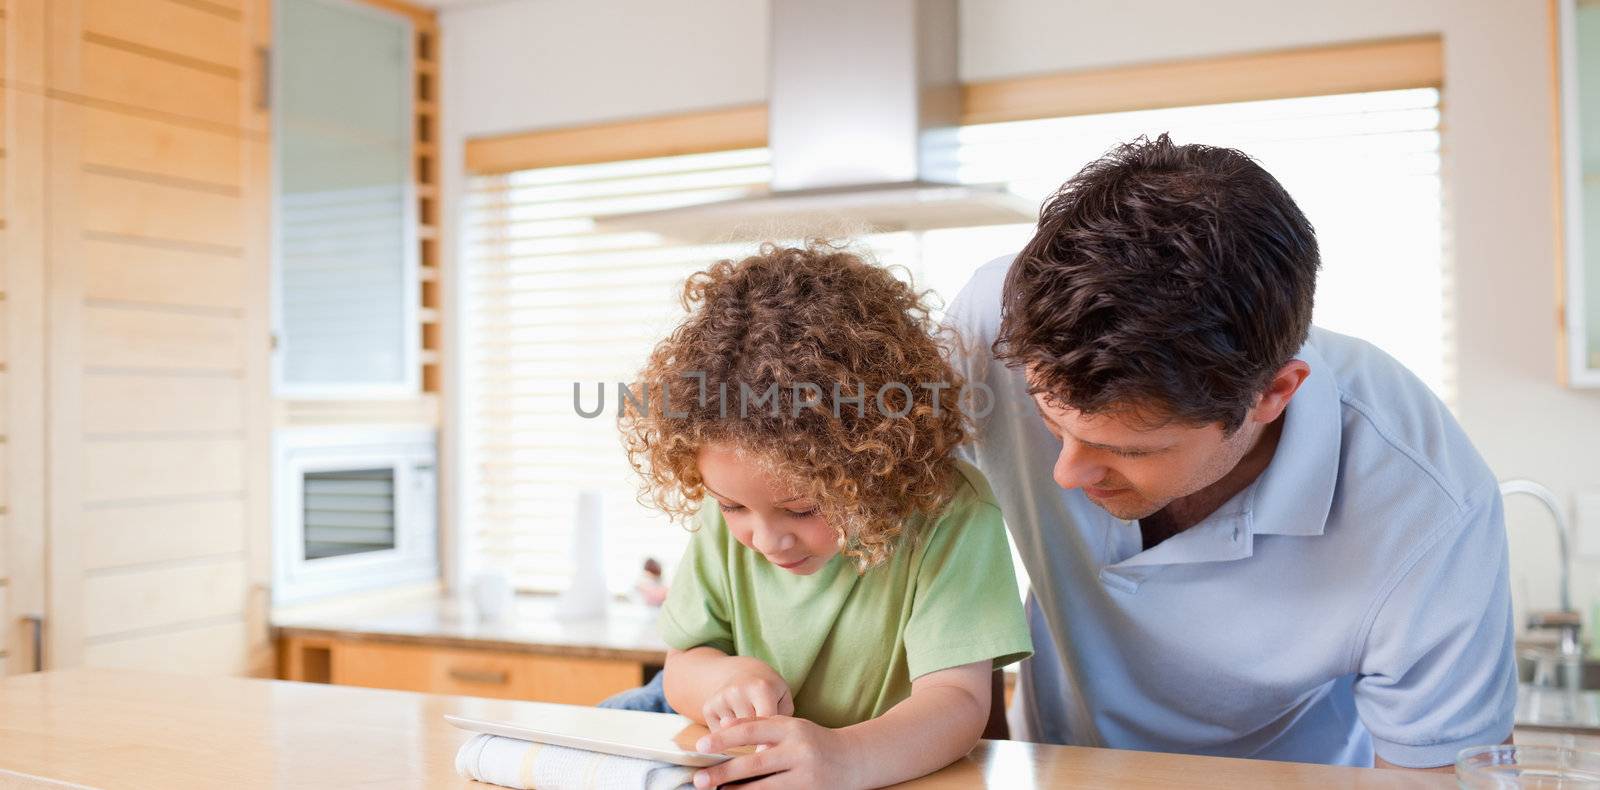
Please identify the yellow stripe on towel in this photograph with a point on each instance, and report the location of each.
(525, 773)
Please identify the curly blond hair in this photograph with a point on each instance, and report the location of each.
(814, 328)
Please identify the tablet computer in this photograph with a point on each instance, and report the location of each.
(664, 737)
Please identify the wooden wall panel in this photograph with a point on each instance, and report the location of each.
(156, 85)
(206, 650)
(162, 532)
(148, 403)
(137, 144)
(127, 270)
(143, 469)
(117, 338)
(129, 207)
(207, 36)
(123, 602)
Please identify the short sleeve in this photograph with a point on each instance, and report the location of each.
(967, 606)
(970, 324)
(696, 611)
(1437, 673)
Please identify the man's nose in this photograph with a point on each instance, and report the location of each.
(1074, 468)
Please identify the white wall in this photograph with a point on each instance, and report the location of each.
(526, 64)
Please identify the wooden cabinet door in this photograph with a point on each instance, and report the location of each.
(481, 673)
(155, 221)
(22, 331)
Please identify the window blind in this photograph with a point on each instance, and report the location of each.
(550, 300)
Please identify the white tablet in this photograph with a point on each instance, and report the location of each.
(664, 737)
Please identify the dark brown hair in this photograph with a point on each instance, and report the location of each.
(819, 315)
(1168, 281)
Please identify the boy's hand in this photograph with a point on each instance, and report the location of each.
(746, 697)
(797, 754)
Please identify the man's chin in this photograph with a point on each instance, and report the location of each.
(1122, 506)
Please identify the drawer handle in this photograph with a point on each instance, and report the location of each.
(480, 676)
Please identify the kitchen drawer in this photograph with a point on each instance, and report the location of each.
(481, 673)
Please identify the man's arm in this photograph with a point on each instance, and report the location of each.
(1379, 762)
(1436, 671)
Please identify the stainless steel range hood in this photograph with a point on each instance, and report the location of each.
(864, 97)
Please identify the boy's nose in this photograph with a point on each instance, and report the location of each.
(773, 541)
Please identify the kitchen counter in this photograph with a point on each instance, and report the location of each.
(627, 633)
(125, 729)
(1558, 709)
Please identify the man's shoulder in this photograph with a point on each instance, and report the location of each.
(977, 306)
(1395, 427)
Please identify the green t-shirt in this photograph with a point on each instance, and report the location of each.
(849, 644)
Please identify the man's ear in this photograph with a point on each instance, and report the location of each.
(1280, 389)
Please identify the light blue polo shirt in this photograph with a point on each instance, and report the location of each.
(1354, 598)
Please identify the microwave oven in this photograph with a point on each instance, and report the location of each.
(355, 508)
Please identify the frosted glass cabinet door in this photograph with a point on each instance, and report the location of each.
(346, 272)
(1579, 96)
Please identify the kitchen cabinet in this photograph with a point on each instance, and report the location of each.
(135, 334)
(1577, 80)
(422, 641)
(475, 672)
(345, 247)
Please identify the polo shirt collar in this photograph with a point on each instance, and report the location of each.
(1295, 493)
(1293, 496)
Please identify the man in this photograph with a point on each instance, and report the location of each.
(1246, 536)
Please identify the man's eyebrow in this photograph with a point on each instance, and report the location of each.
(1098, 446)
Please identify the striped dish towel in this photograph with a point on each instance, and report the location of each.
(537, 766)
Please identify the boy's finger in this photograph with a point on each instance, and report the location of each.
(745, 732)
(765, 704)
(759, 764)
(714, 715)
(742, 709)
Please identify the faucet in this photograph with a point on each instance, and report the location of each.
(1566, 620)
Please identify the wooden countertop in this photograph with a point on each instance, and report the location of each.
(627, 633)
(103, 728)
